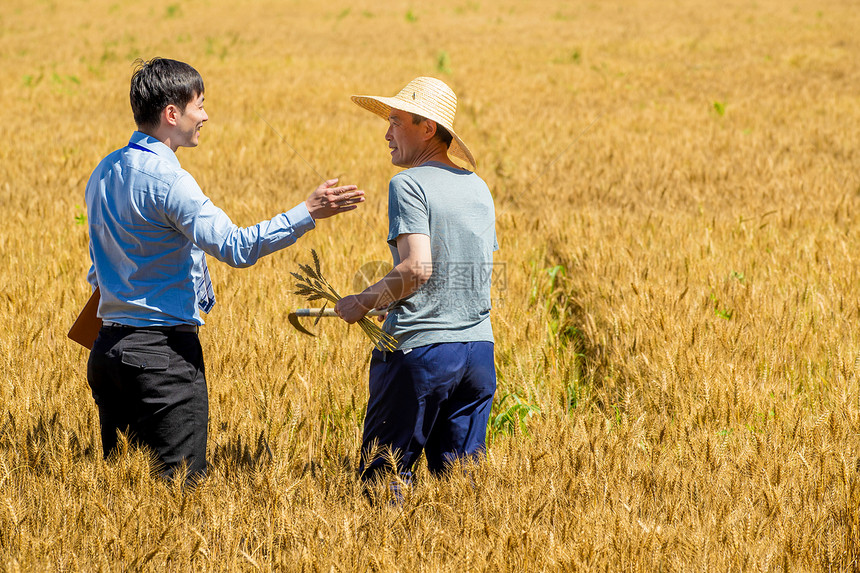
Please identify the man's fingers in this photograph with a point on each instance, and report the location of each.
(349, 198)
(341, 201)
(328, 185)
(343, 189)
(341, 206)
(351, 193)
(327, 201)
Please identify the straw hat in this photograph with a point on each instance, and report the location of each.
(427, 97)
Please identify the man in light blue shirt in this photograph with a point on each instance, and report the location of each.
(151, 228)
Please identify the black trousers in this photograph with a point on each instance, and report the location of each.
(152, 384)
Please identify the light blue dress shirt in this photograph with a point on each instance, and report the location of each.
(150, 228)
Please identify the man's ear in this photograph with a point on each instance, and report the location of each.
(429, 129)
(170, 115)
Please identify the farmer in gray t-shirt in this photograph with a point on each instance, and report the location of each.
(454, 304)
(433, 393)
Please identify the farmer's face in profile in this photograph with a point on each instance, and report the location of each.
(405, 138)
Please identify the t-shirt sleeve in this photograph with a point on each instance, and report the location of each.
(407, 208)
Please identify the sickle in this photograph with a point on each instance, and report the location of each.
(293, 317)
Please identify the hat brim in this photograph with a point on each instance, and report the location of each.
(382, 107)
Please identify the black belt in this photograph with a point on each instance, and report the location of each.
(177, 328)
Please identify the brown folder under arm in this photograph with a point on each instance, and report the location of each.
(87, 325)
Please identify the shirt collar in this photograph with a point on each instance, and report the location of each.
(154, 145)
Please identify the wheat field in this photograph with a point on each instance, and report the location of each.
(676, 295)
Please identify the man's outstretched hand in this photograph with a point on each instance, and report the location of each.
(327, 200)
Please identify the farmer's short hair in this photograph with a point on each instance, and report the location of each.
(158, 83)
(442, 134)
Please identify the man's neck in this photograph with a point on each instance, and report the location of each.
(437, 154)
(161, 134)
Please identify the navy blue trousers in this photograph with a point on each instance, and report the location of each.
(152, 385)
(435, 399)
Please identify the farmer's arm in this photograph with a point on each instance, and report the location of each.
(414, 269)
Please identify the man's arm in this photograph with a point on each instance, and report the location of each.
(195, 216)
(414, 269)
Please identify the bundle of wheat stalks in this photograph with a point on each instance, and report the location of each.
(314, 286)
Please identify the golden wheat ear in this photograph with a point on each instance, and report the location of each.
(312, 285)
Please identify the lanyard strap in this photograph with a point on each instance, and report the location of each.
(140, 147)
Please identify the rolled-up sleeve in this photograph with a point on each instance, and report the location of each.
(194, 215)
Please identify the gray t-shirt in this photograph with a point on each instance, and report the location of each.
(455, 209)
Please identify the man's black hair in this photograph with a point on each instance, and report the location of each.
(441, 133)
(158, 83)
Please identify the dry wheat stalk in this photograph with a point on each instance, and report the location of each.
(314, 286)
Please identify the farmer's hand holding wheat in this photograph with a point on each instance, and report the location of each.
(314, 286)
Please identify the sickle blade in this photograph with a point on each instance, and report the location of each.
(294, 320)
